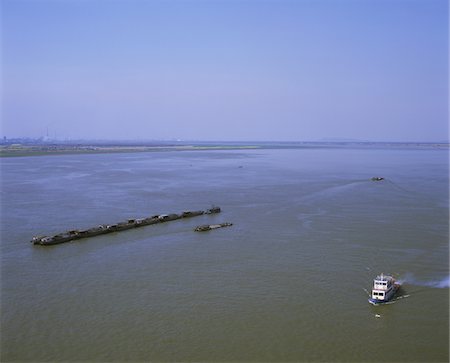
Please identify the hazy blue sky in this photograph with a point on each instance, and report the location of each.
(226, 70)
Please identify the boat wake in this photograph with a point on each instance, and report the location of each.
(399, 187)
(332, 191)
(393, 301)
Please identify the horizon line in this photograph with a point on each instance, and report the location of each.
(177, 140)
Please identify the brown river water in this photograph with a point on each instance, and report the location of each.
(287, 282)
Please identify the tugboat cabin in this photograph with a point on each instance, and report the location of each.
(383, 288)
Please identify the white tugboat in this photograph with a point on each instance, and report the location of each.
(384, 289)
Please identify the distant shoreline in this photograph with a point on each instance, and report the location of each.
(45, 149)
(16, 150)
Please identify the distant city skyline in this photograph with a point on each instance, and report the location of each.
(243, 70)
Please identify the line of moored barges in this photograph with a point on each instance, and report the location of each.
(122, 226)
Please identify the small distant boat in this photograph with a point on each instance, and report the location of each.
(377, 178)
(384, 289)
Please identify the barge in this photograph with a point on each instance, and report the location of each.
(118, 227)
(208, 227)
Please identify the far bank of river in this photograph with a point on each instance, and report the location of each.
(40, 149)
(61, 149)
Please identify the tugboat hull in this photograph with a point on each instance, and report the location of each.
(384, 301)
